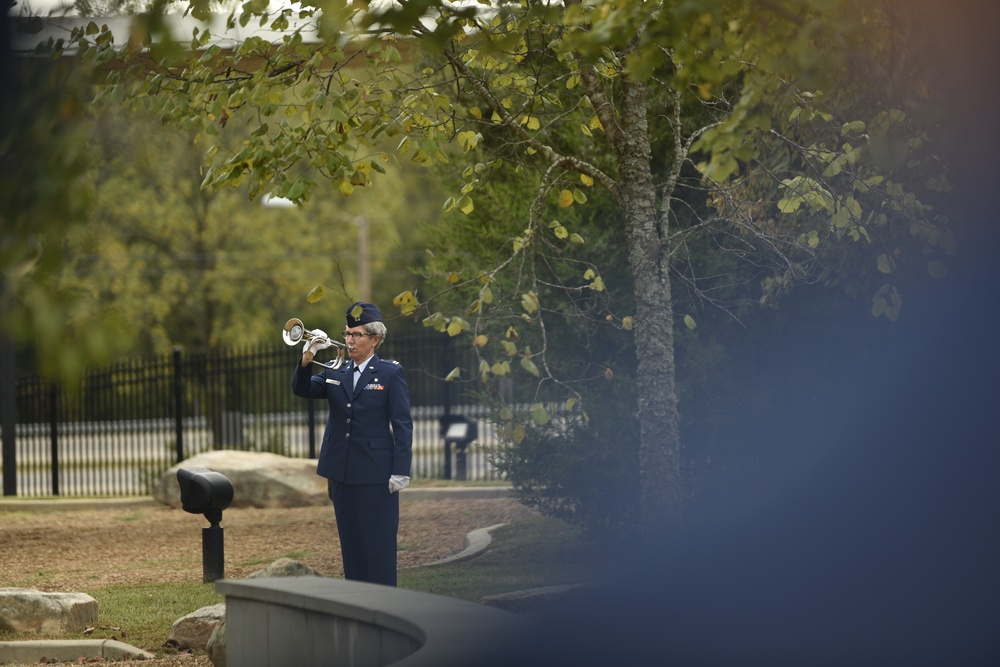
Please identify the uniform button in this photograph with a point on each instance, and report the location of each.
(348, 405)
(347, 435)
(348, 420)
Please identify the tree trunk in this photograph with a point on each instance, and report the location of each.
(660, 446)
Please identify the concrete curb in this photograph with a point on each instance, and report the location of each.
(475, 544)
(59, 504)
(466, 492)
(68, 650)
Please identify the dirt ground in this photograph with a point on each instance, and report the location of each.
(82, 549)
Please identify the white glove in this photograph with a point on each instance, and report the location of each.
(398, 483)
(319, 341)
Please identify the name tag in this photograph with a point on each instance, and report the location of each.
(332, 381)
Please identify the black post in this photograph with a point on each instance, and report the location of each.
(54, 436)
(178, 406)
(447, 459)
(460, 470)
(213, 561)
(8, 416)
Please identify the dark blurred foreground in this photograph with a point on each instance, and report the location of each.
(873, 542)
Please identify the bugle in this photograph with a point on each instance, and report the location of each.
(295, 332)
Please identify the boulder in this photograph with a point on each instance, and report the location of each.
(194, 630)
(285, 567)
(25, 610)
(217, 645)
(259, 479)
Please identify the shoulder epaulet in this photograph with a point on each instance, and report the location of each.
(392, 361)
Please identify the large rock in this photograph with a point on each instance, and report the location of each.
(25, 610)
(216, 648)
(194, 630)
(259, 479)
(285, 567)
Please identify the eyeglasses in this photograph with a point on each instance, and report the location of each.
(348, 335)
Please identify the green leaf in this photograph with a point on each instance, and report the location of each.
(437, 321)
(885, 263)
(529, 365)
(937, 269)
(455, 373)
(789, 204)
(465, 205)
(539, 414)
(690, 323)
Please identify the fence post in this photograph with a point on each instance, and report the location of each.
(311, 411)
(8, 416)
(54, 436)
(178, 405)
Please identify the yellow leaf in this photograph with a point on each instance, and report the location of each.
(465, 205)
(586, 180)
(406, 302)
(476, 113)
(468, 140)
(628, 323)
(496, 118)
(565, 198)
(315, 294)
(529, 301)
(345, 188)
(595, 123)
(506, 103)
(598, 284)
(453, 278)
(689, 322)
(575, 238)
(480, 340)
(586, 130)
(529, 365)
(455, 373)
(365, 167)
(533, 123)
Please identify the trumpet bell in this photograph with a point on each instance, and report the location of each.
(293, 332)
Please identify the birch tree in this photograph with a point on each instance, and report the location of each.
(772, 140)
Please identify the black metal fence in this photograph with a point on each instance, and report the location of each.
(125, 425)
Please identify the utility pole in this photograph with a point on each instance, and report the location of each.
(364, 260)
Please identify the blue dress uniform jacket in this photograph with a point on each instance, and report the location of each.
(369, 432)
(368, 438)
